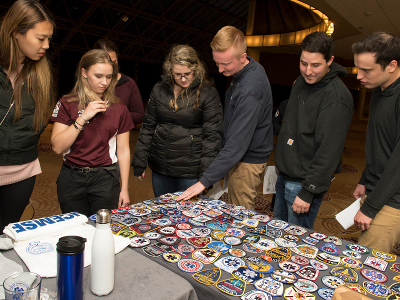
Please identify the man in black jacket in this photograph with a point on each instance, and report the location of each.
(311, 140)
(377, 58)
(247, 135)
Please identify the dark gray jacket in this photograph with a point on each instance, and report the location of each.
(181, 143)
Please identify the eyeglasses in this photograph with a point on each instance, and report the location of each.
(179, 76)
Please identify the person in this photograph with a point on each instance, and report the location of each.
(248, 139)
(377, 57)
(311, 141)
(25, 102)
(277, 119)
(126, 89)
(91, 130)
(181, 131)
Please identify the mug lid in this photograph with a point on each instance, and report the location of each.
(71, 244)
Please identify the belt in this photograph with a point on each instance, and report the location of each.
(88, 169)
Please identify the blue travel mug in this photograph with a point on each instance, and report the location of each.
(70, 267)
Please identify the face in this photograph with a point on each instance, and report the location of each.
(113, 56)
(227, 63)
(99, 77)
(313, 66)
(370, 73)
(178, 71)
(34, 43)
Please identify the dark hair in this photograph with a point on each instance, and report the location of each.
(318, 42)
(385, 47)
(107, 45)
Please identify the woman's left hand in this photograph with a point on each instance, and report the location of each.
(123, 199)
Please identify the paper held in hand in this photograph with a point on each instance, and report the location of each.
(346, 216)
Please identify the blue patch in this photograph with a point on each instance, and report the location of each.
(217, 226)
(219, 246)
(357, 248)
(229, 263)
(178, 219)
(376, 289)
(247, 275)
(329, 248)
(170, 211)
(93, 218)
(198, 224)
(310, 240)
(325, 294)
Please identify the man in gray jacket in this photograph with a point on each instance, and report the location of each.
(311, 141)
(247, 135)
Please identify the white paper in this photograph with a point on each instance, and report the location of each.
(216, 191)
(346, 216)
(270, 177)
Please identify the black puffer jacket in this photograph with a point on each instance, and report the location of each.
(181, 143)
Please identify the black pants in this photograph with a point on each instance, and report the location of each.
(87, 192)
(13, 200)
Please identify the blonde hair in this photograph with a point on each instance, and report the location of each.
(22, 16)
(82, 91)
(228, 37)
(186, 56)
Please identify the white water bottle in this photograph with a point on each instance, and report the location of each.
(103, 254)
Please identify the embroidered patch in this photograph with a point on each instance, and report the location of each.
(301, 260)
(260, 267)
(289, 266)
(384, 255)
(166, 248)
(247, 275)
(183, 226)
(395, 267)
(192, 213)
(352, 254)
(161, 222)
(295, 230)
(351, 262)
(169, 240)
(397, 278)
(290, 142)
(126, 233)
(130, 220)
(178, 219)
(308, 272)
(229, 263)
(201, 231)
(251, 238)
(305, 250)
(291, 293)
(183, 249)
(140, 212)
(139, 242)
(237, 224)
(285, 243)
(184, 234)
(250, 222)
(357, 248)
(190, 265)
(309, 240)
(376, 263)
(199, 241)
(218, 235)
(356, 287)
(235, 232)
(237, 252)
(261, 218)
(278, 254)
(328, 259)
(143, 228)
(374, 275)
(212, 213)
(219, 246)
(186, 203)
(318, 265)
(152, 216)
(283, 276)
(232, 240)
(250, 248)
(169, 211)
(208, 277)
(153, 250)
(278, 224)
(395, 288)
(152, 235)
(232, 286)
(305, 285)
(206, 255)
(201, 219)
(272, 232)
(171, 257)
(333, 239)
(256, 295)
(329, 248)
(257, 230)
(217, 226)
(167, 230)
(224, 219)
(265, 244)
(115, 227)
(325, 293)
(345, 273)
(291, 238)
(376, 289)
(332, 281)
(318, 235)
(270, 286)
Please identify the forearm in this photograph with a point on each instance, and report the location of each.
(64, 139)
(124, 165)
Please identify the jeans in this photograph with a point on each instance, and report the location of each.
(286, 192)
(165, 184)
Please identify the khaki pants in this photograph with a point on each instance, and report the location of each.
(383, 233)
(244, 179)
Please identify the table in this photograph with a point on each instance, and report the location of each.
(136, 277)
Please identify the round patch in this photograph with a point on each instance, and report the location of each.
(282, 242)
(289, 266)
(261, 218)
(235, 232)
(169, 240)
(318, 265)
(332, 281)
(325, 294)
(190, 265)
(178, 219)
(305, 285)
(218, 235)
(374, 275)
(284, 276)
(137, 242)
(265, 244)
(250, 248)
(352, 254)
(256, 295)
(166, 230)
(153, 216)
(291, 238)
(171, 257)
(183, 226)
(395, 288)
(237, 252)
(161, 222)
(357, 248)
(232, 240)
(140, 212)
(152, 235)
(301, 260)
(192, 213)
(376, 289)
(351, 262)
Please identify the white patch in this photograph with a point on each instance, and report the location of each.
(290, 142)
(56, 109)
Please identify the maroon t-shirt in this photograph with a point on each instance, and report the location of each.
(96, 144)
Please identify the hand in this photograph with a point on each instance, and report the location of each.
(123, 199)
(143, 175)
(93, 108)
(359, 192)
(361, 221)
(299, 206)
(194, 190)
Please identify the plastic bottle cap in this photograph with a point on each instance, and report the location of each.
(103, 216)
(71, 245)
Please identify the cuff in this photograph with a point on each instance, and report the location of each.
(306, 195)
(205, 182)
(137, 171)
(369, 210)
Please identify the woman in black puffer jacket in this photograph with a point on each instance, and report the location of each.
(181, 131)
